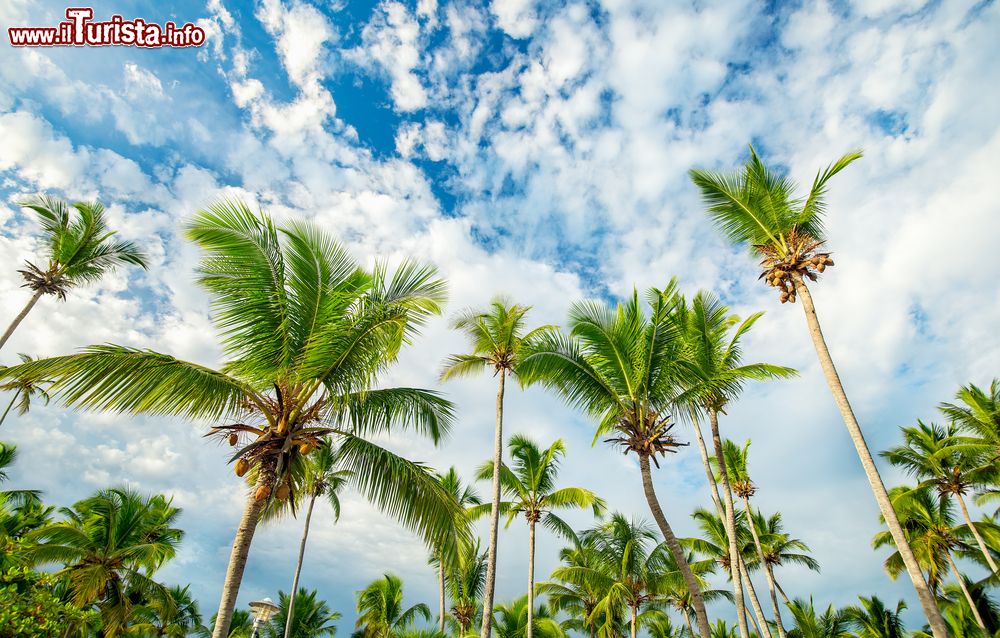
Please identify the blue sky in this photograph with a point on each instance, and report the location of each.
(541, 149)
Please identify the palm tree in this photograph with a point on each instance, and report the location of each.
(832, 623)
(24, 389)
(322, 477)
(572, 592)
(780, 548)
(757, 207)
(240, 626)
(511, 621)
(497, 338)
(466, 581)
(306, 335)
(621, 366)
(959, 614)
(928, 521)
(80, 250)
(662, 627)
(173, 616)
(714, 353)
(872, 619)
(380, 610)
(936, 456)
(110, 545)
(978, 413)
(741, 484)
(311, 618)
(530, 485)
(465, 497)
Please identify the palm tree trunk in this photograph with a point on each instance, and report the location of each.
(713, 487)
(491, 564)
(238, 562)
(635, 630)
(968, 521)
(931, 611)
(298, 567)
(763, 630)
(697, 600)
(764, 566)
(730, 519)
(687, 619)
(784, 596)
(531, 578)
(9, 406)
(441, 589)
(965, 590)
(20, 317)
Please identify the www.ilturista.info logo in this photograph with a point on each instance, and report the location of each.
(79, 30)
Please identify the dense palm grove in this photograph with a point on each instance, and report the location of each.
(307, 336)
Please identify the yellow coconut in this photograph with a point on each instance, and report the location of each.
(262, 492)
(282, 492)
(242, 467)
(234, 439)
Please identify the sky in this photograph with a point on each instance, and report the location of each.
(539, 149)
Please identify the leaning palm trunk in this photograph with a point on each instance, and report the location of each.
(931, 611)
(697, 600)
(20, 317)
(965, 590)
(13, 400)
(763, 630)
(972, 528)
(491, 564)
(237, 563)
(531, 578)
(298, 568)
(764, 567)
(730, 519)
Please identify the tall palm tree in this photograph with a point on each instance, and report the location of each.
(465, 497)
(742, 485)
(937, 457)
(621, 365)
(23, 390)
(110, 545)
(572, 592)
(174, 616)
(530, 484)
(80, 249)
(381, 613)
(497, 336)
(758, 207)
(930, 528)
(662, 627)
(313, 617)
(322, 478)
(306, 335)
(872, 619)
(959, 614)
(511, 621)
(714, 352)
(977, 412)
(780, 548)
(466, 582)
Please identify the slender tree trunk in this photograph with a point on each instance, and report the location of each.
(931, 611)
(713, 487)
(697, 600)
(531, 578)
(730, 520)
(238, 559)
(491, 564)
(635, 630)
(298, 567)
(441, 589)
(763, 629)
(764, 566)
(9, 406)
(784, 596)
(968, 521)
(965, 590)
(687, 619)
(20, 317)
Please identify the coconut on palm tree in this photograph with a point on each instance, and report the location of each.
(497, 336)
(937, 457)
(80, 249)
(110, 545)
(530, 485)
(381, 612)
(713, 353)
(623, 367)
(306, 334)
(928, 521)
(758, 207)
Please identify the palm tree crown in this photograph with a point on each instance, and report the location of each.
(381, 613)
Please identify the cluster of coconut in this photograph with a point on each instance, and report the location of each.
(306, 446)
(779, 275)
